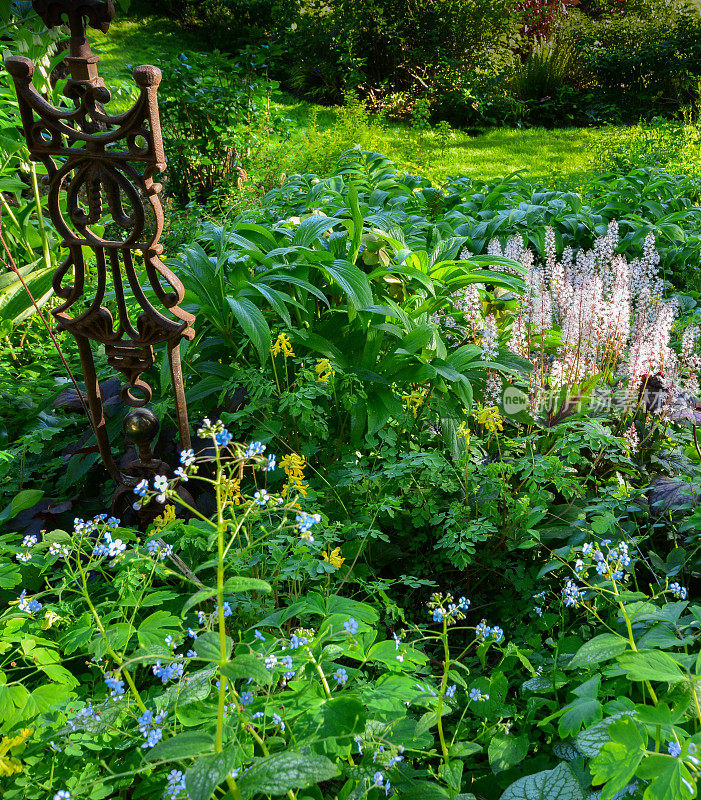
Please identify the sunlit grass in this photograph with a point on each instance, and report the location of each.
(546, 154)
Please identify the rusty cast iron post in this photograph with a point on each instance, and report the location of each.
(104, 202)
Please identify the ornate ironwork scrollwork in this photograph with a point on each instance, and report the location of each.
(105, 203)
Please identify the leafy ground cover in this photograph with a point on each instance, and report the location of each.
(453, 553)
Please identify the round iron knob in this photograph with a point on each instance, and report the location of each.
(141, 426)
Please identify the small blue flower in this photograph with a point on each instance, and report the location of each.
(277, 720)
(258, 635)
(176, 783)
(437, 615)
(463, 603)
(28, 606)
(678, 591)
(299, 641)
(62, 794)
(286, 662)
(379, 779)
(246, 698)
(140, 489)
(191, 633)
(306, 521)
(359, 742)
(187, 457)
(450, 691)
(153, 738)
(483, 630)
(674, 749)
(255, 449)
(223, 438)
(270, 465)
(191, 654)
(341, 676)
(115, 686)
(497, 633)
(475, 694)
(261, 497)
(351, 626)
(270, 662)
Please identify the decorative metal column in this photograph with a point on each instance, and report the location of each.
(104, 202)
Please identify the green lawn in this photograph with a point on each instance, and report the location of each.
(563, 153)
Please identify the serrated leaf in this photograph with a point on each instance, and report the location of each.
(552, 784)
(281, 772)
(670, 778)
(616, 763)
(650, 665)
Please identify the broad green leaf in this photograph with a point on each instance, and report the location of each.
(506, 751)
(585, 708)
(601, 648)
(246, 666)
(208, 648)
(20, 502)
(240, 583)
(251, 319)
(185, 745)
(590, 741)
(619, 758)
(651, 665)
(552, 784)
(671, 779)
(202, 778)
(281, 772)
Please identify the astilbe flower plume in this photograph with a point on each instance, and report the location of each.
(610, 311)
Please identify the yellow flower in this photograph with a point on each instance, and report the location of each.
(294, 466)
(489, 417)
(167, 516)
(8, 765)
(334, 557)
(413, 401)
(50, 618)
(324, 371)
(282, 345)
(232, 490)
(464, 433)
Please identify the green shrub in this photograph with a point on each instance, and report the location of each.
(216, 120)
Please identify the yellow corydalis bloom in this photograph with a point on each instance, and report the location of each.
(464, 433)
(161, 521)
(294, 466)
(282, 345)
(324, 371)
(413, 401)
(334, 557)
(490, 417)
(8, 765)
(232, 490)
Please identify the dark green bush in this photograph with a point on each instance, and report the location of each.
(649, 65)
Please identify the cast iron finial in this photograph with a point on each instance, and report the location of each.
(78, 14)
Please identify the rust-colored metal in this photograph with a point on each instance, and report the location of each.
(105, 204)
